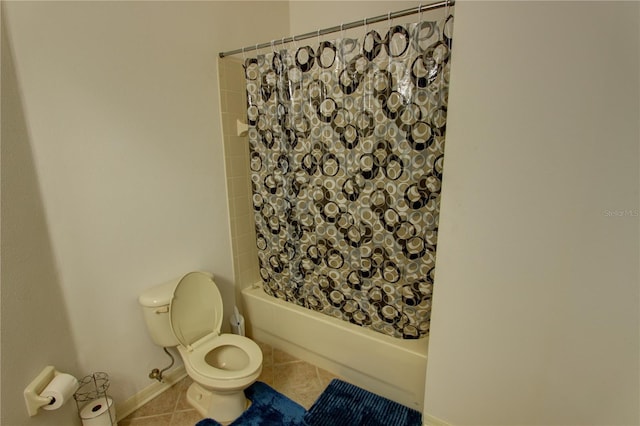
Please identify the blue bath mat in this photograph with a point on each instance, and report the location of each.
(268, 407)
(343, 404)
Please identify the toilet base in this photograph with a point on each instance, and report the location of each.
(223, 407)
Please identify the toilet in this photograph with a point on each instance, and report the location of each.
(187, 313)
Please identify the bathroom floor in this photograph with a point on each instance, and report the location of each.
(298, 380)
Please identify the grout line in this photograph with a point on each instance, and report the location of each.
(150, 416)
(146, 395)
(175, 405)
(288, 362)
(318, 377)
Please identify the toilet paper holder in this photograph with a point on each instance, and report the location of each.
(32, 397)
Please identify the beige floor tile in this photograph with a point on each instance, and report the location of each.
(162, 404)
(267, 375)
(267, 354)
(185, 418)
(306, 399)
(162, 420)
(182, 403)
(281, 357)
(325, 377)
(296, 377)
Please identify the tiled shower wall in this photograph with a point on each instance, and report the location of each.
(236, 154)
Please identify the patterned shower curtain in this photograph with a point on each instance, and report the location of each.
(347, 143)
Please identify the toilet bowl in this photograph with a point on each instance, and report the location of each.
(187, 314)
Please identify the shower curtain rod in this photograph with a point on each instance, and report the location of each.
(354, 24)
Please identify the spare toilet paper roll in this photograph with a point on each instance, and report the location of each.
(96, 412)
(241, 330)
(60, 389)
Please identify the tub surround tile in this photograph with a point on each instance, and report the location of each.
(237, 145)
(235, 78)
(248, 276)
(223, 100)
(222, 72)
(233, 101)
(244, 222)
(236, 166)
(236, 103)
(242, 207)
(239, 187)
(245, 241)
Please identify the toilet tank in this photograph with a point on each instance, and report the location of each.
(155, 303)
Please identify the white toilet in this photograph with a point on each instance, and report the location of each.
(187, 313)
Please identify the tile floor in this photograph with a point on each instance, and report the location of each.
(298, 380)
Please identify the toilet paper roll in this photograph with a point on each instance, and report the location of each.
(96, 412)
(241, 330)
(237, 323)
(60, 389)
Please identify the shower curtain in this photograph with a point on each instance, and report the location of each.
(346, 145)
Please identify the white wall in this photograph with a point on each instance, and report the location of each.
(122, 144)
(35, 325)
(308, 16)
(536, 299)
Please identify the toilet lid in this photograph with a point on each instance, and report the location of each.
(196, 308)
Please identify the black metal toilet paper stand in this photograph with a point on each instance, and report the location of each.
(92, 391)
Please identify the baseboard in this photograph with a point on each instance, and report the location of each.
(429, 420)
(127, 407)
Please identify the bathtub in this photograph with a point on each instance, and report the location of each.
(393, 368)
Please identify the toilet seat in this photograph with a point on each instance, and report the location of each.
(197, 357)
